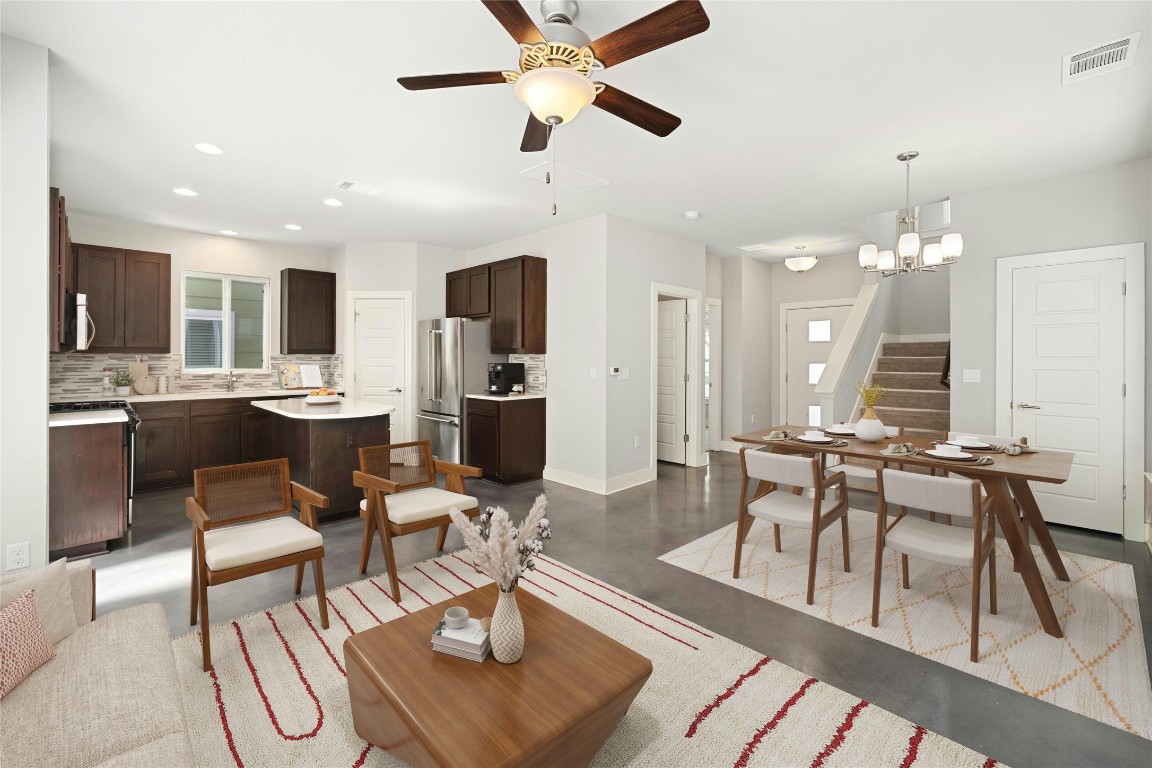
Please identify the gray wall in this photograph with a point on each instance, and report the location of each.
(923, 302)
(1105, 206)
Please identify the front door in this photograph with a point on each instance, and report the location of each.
(1067, 374)
(810, 333)
(671, 405)
(381, 358)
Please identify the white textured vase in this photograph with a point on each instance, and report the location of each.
(507, 631)
(869, 429)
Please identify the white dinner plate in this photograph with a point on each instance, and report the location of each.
(823, 440)
(841, 429)
(968, 444)
(954, 456)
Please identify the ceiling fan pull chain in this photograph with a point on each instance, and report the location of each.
(553, 173)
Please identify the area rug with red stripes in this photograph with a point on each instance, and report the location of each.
(278, 693)
(1099, 669)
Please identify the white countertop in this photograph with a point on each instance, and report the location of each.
(213, 394)
(82, 418)
(505, 398)
(295, 408)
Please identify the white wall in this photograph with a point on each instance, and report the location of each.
(923, 301)
(24, 241)
(638, 257)
(370, 267)
(732, 349)
(206, 253)
(577, 332)
(714, 277)
(1105, 206)
(432, 263)
(759, 326)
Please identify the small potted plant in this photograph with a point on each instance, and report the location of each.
(123, 381)
(868, 427)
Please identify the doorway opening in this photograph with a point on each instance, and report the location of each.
(677, 393)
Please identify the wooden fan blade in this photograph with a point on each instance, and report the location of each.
(424, 82)
(638, 112)
(536, 135)
(668, 25)
(515, 19)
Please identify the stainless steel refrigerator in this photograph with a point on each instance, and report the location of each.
(454, 356)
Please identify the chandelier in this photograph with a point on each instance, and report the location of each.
(800, 262)
(911, 256)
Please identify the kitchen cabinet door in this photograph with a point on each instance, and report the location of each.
(519, 290)
(147, 301)
(484, 444)
(215, 440)
(161, 447)
(506, 438)
(100, 275)
(87, 489)
(61, 272)
(307, 312)
(258, 436)
(456, 294)
(467, 292)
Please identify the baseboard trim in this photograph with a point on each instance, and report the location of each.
(630, 480)
(576, 480)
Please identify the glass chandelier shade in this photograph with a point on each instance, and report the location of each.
(555, 95)
(800, 262)
(912, 254)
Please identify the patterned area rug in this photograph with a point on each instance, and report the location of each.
(278, 693)
(1098, 669)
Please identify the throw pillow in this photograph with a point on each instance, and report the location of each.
(23, 645)
(53, 598)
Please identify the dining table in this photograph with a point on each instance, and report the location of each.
(1005, 479)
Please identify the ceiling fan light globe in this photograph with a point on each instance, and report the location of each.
(933, 255)
(908, 245)
(868, 255)
(952, 245)
(554, 95)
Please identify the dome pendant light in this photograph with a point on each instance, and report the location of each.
(912, 254)
(800, 262)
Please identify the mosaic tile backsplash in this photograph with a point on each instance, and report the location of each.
(535, 373)
(82, 375)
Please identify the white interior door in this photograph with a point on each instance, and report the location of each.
(810, 333)
(381, 358)
(671, 407)
(1067, 374)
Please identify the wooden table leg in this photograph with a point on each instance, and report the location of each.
(1023, 494)
(1022, 553)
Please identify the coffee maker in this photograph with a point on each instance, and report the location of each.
(503, 376)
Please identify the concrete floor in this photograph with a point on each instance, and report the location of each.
(617, 539)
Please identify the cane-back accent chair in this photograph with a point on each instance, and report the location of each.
(242, 525)
(401, 497)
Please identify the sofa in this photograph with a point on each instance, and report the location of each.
(110, 697)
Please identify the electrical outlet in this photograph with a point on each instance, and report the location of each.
(636, 441)
(751, 418)
(352, 439)
(591, 373)
(971, 376)
(16, 556)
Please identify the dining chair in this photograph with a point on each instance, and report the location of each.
(242, 525)
(401, 497)
(861, 476)
(771, 504)
(917, 537)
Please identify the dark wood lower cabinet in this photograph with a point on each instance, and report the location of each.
(87, 492)
(506, 438)
(323, 454)
(161, 447)
(215, 440)
(259, 436)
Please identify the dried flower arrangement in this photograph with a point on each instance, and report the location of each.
(498, 548)
(869, 393)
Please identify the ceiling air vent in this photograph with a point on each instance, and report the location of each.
(566, 178)
(1100, 59)
(359, 187)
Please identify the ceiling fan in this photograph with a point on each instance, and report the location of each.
(557, 60)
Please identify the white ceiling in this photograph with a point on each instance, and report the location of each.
(793, 114)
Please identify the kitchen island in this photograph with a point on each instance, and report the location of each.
(322, 444)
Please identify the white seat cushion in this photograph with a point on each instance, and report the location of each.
(787, 509)
(941, 543)
(238, 545)
(858, 476)
(423, 504)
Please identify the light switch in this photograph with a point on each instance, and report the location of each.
(971, 376)
(591, 373)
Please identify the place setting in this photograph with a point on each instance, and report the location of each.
(951, 452)
(817, 437)
(841, 430)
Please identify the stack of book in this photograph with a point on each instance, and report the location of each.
(469, 642)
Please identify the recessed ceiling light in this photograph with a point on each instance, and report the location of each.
(229, 232)
(185, 192)
(209, 149)
(333, 202)
(293, 227)
(691, 215)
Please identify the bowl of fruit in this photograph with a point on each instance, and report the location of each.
(322, 396)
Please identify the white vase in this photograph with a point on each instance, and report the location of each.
(507, 631)
(869, 428)
(123, 391)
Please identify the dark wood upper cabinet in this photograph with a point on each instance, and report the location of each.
(519, 302)
(467, 292)
(61, 272)
(129, 297)
(307, 312)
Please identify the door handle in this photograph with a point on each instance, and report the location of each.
(92, 334)
(394, 389)
(452, 422)
(1026, 405)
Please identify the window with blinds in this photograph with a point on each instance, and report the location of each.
(225, 323)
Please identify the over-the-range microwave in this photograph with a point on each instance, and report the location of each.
(81, 329)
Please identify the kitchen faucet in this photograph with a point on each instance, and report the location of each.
(231, 380)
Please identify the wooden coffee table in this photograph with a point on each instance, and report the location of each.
(554, 707)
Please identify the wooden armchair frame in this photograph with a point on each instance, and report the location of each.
(203, 577)
(377, 489)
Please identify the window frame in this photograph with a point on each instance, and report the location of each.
(227, 319)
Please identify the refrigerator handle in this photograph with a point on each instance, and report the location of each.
(437, 353)
(431, 364)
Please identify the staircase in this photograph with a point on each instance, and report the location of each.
(915, 398)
